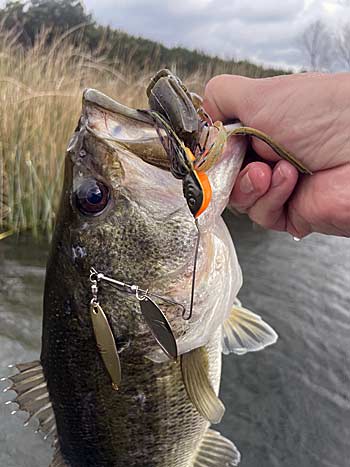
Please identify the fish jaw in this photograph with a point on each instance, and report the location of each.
(123, 127)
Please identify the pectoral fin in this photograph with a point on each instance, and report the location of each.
(245, 331)
(216, 451)
(32, 396)
(195, 373)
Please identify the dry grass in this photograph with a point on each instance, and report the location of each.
(40, 99)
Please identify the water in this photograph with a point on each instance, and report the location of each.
(287, 406)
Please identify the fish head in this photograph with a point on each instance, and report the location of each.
(126, 208)
(124, 214)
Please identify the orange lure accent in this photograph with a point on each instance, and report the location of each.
(206, 189)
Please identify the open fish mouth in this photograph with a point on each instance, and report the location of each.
(118, 124)
(122, 126)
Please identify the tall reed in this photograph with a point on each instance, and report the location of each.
(40, 102)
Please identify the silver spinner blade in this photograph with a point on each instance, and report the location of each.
(159, 327)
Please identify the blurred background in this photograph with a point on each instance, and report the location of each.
(286, 406)
(51, 50)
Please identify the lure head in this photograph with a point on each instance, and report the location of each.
(168, 96)
(197, 191)
(180, 115)
(123, 213)
(196, 186)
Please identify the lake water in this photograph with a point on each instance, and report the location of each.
(287, 406)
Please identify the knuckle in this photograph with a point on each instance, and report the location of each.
(239, 205)
(244, 203)
(265, 218)
(296, 225)
(236, 209)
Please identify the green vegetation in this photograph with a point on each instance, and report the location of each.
(49, 52)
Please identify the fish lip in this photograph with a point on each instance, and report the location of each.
(147, 147)
(97, 98)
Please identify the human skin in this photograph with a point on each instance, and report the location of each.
(309, 114)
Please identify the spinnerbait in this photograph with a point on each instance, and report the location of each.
(152, 314)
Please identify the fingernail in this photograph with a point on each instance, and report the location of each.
(246, 185)
(278, 177)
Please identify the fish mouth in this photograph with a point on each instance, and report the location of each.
(94, 97)
(120, 126)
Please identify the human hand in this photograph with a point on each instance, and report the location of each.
(309, 114)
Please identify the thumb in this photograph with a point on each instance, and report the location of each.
(229, 96)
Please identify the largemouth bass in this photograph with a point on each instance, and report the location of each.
(123, 214)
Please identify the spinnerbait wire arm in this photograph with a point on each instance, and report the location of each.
(140, 294)
(189, 316)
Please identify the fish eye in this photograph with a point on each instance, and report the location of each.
(92, 197)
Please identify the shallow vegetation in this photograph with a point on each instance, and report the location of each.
(40, 97)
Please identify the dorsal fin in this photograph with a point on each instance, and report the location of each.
(195, 374)
(216, 451)
(244, 331)
(32, 396)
